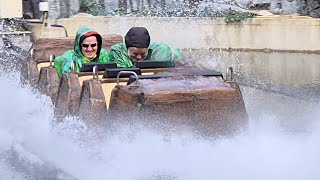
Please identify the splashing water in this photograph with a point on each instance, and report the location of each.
(282, 142)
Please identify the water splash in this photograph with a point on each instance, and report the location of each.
(32, 148)
(281, 143)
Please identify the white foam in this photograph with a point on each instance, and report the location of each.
(266, 151)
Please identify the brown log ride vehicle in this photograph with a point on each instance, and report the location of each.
(151, 92)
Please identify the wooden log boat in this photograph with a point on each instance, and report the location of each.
(150, 92)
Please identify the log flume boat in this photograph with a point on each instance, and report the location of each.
(150, 92)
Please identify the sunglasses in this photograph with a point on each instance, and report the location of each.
(87, 45)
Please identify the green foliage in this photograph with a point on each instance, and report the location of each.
(90, 7)
(236, 17)
(86, 5)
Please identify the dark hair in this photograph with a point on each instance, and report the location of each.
(137, 37)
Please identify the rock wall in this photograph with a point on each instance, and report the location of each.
(68, 8)
(63, 8)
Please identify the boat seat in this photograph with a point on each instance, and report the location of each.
(44, 47)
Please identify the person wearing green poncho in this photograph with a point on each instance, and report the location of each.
(87, 48)
(137, 47)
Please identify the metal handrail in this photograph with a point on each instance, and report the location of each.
(51, 59)
(95, 72)
(72, 67)
(128, 72)
(230, 73)
(32, 55)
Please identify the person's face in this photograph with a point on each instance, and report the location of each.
(137, 54)
(89, 47)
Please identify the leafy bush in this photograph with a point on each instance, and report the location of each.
(235, 17)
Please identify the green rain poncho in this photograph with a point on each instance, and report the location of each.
(156, 52)
(139, 37)
(63, 63)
